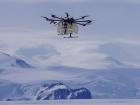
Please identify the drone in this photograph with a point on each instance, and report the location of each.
(68, 25)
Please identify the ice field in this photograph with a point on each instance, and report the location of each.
(76, 102)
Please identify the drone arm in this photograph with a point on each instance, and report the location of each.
(83, 17)
(54, 21)
(81, 24)
(83, 20)
(79, 18)
(58, 18)
(54, 16)
(50, 19)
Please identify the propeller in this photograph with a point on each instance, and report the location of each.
(51, 22)
(54, 16)
(45, 17)
(81, 20)
(89, 21)
(83, 17)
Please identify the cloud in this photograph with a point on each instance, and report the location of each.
(84, 54)
(45, 49)
(129, 1)
(119, 1)
(39, 55)
(72, 1)
(41, 1)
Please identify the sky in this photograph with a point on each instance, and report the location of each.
(24, 32)
(117, 18)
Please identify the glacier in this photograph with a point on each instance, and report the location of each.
(28, 83)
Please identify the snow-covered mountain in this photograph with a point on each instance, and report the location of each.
(47, 90)
(107, 83)
(69, 72)
(61, 91)
(113, 83)
(7, 60)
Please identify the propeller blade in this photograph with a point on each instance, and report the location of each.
(81, 24)
(45, 18)
(54, 22)
(54, 16)
(89, 21)
(84, 16)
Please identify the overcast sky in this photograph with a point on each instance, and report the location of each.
(114, 18)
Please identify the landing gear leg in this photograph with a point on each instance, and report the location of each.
(70, 35)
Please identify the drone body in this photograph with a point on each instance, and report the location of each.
(68, 25)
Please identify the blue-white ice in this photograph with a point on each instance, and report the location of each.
(76, 102)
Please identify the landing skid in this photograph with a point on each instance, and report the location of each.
(72, 37)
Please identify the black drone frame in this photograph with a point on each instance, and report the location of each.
(80, 21)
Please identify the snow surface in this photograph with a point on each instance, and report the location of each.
(75, 102)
